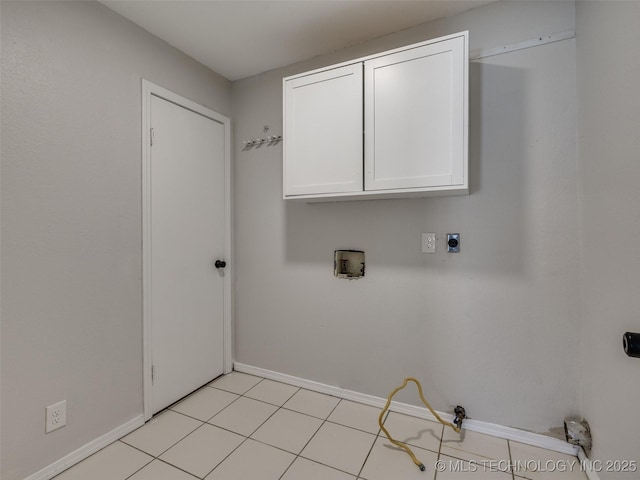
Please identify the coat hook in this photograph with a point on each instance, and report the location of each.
(269, 140)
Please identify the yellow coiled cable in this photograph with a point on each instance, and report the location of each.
(398, 443)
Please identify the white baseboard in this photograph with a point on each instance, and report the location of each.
(500, 431)
(86, 450)
(587, 466)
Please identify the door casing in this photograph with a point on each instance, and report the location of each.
(150, 89)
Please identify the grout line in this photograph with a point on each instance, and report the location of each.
(144, 466)
(513, 475)
(372, 445)
(185, 415)
(230, 391)
(264, 401)
(299, 455)
(157, 457)
(169, 407)
(439, 457)
(312, 437)
(246, 438)
(268, 418)
(177, 468)
(227, 456)
(289, 409)
(287, 469)
(173, 444)
(153, 457)
(190, 433)
(222, 410)
(193, 394)
(248, 398)
(353, 428)
(328, 466)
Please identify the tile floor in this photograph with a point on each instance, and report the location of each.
(243, 427)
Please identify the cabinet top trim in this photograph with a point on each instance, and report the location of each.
(464, 34)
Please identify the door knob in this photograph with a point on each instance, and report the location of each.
(220, 264)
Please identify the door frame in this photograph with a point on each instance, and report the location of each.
(150, 89)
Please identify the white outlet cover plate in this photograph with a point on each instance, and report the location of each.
(428, 243)
(56, 416)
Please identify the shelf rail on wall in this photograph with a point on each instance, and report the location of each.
(269, 140)
(514, 47)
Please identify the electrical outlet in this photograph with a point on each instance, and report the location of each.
(453, 242)
(56, 416)
(428, 243)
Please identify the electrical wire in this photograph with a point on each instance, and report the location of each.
(435, 414)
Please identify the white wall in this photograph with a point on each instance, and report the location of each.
(71, 218)
(493, 328)
(608, 61)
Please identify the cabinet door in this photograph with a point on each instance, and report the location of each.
(415, 117)
(323, 132)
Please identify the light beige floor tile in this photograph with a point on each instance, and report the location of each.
(158, 470)
(541, 464)
(115, 462)
(478, 447)
(457, 469)
(161, 432)
(272, 392)
(244, 416)
(339, 447)
(414, 431)
(356, 415)
(303, 469)
(388, 461)
(312, 403)
(235, 382)
(202, 450)
(204, 403)
(288, 430)
(253, 460)
(576, 474)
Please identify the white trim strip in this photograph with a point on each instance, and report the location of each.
(587, 466)
(500, 431)
(87, 450)
(534, 42)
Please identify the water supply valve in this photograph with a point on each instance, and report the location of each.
(461, 414)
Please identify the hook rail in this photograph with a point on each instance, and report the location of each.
(269, 140)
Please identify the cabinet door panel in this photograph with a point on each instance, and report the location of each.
(323, 132)
(415, 117)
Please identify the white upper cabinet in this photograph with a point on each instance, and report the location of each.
(324, 126)
(414, 102)
(414, 118)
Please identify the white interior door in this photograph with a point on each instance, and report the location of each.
(186, 195)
